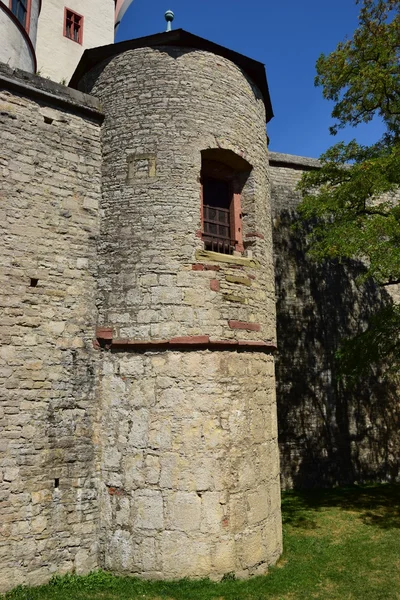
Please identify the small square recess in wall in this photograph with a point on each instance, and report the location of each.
(141, 166)
(73, 26)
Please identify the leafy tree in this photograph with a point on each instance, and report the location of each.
(353, 201)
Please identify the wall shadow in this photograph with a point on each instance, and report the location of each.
(377, 505)
(328, 435)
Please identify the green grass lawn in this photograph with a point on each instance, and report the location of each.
(339, 544)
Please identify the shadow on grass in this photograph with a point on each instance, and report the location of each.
(377, 505)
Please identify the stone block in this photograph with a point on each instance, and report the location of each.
(258, 505)
(183, 556)
(224, 557)
(183, 511)
(251, 549)
(148, 511)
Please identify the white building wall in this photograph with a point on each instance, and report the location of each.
(34, 18)
(58, 56)
(14, 47)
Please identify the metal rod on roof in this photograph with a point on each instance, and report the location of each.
(169, 17)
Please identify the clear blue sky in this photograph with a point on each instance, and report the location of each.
(287, 36)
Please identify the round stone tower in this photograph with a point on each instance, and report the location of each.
(188, 454)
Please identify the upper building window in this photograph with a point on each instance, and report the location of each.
(73, 26)
(217, 227)
(21, 8)
(222, 177)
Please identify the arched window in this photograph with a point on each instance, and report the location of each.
(223, 174)
(21, 9)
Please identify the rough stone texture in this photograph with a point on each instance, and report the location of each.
(189, 444)
(175, 103)
(49, 195)
(328, 435)
(182, 432)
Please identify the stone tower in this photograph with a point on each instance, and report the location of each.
(187, 438)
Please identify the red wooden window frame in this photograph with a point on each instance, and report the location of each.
(215, 170)
(27, 23)
(73, 19)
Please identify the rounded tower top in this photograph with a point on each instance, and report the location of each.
(92, 57)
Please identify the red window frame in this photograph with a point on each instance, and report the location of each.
(27, 24)
(73, 19)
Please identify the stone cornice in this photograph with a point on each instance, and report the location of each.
(52, 93)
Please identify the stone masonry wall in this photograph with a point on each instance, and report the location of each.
(49, 201)
(190, 464)
(173, 104)
(328, 435)
(179, 495)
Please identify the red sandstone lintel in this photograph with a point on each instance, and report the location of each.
(197, 267)
(104, 333)
(244, 325)
(190, 339)
(201, 341)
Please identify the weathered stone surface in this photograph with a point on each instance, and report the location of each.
(204, 432)
(49, 170)
(328, 435)
(197, 489)
(148, 286)
(161, 462)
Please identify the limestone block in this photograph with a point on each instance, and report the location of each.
(152, 469)
(251, 549)
(149, 555)
(183, 511)
(138, 435)
(131, 366)
(182, 555)
(258, 505)
(148, 512)
(224, 557)
(212, 512)
(134, 476)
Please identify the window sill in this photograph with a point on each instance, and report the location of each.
(207, 255)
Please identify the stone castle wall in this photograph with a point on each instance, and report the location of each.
(187, 393)
(328, 435)
(49, 221)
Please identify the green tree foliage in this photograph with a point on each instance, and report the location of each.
(353, 201)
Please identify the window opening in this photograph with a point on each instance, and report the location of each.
(20, 9)
(217, 198)
(223, 176)
(73, 27)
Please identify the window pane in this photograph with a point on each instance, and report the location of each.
(19, 9)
